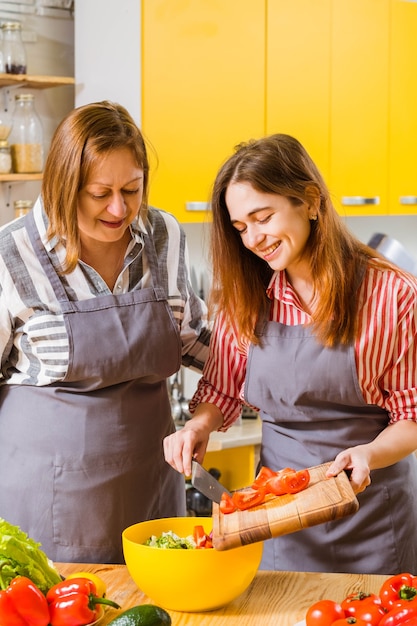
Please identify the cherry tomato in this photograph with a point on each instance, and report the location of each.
(248, 498)
(226, 504)
(324, 613)
(101, 588)
(365, 606)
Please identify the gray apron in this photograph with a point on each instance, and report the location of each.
(83, 459)
(311, 409)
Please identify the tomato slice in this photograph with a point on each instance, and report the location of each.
(226, 504)
(264, 474)
(199, 536)
(275, 484)
(293, 482)
(248, 498)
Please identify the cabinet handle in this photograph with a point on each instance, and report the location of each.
(408, 199)
(359, 200)
(197, 206)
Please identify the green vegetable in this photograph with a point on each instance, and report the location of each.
(21, 556)
(142, 615)
(169, 540)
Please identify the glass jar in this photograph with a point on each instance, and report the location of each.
(14, 53)
(21, 207)
(26, 137)
(5, 125)
(5, 158)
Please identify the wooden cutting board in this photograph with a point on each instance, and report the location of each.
(324, 500)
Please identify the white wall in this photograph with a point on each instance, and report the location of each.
(108, 53)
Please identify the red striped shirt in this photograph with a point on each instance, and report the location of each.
(385, 348)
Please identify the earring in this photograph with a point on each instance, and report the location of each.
(313, 218)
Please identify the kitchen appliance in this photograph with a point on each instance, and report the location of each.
(325, 499)
(394, 251)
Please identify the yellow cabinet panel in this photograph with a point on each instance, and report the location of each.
(203, 92)
(403, 109)
(359, 105)
(237, 465)
(298, 74)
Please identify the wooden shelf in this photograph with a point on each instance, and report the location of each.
(34, 82)
(15, 178)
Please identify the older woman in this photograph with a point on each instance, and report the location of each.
(96, 311)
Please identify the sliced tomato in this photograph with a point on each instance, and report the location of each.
(226, 504)
(199, 536)
(293, 482)
(248, 498)
(262, 477)
(275, 484)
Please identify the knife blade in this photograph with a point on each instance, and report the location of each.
(202, 480)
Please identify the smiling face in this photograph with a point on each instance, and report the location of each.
(271, 227)
(111, 197)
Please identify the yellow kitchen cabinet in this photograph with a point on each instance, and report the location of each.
(203, 92)
(237, 465)
(298, 74)
(403, 109)
(359, 115)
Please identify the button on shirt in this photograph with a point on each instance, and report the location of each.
(33, 337)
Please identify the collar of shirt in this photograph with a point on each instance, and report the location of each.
(280, 289)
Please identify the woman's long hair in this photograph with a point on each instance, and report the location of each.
(279, 164)
(81, 139)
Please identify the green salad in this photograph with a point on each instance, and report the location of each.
(169, 540)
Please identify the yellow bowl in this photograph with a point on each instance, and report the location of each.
(187, 580)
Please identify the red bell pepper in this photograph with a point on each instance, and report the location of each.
(23, 604)
(74, 602)
(399, 615)
(397, 589)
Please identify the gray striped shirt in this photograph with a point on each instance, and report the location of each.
(33, 337)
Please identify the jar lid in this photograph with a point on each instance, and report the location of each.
(22, 204)
(24, 96)
(11, 25)
(4, 144)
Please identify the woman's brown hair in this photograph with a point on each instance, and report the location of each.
(83, 136)
(279, 164)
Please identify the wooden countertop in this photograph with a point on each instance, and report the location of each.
(247, 433)
(280, 598)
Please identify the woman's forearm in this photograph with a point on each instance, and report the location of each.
(395, 442)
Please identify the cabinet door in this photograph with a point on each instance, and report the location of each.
(298, 74)
(359, 106)
(403, 108)
(203, 93)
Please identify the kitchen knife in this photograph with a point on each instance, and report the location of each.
(206, 483)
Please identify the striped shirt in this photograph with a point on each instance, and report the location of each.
(33, 338)
(385, 348)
